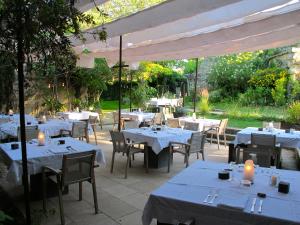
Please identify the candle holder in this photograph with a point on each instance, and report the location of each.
(41, 139)
(249, 170)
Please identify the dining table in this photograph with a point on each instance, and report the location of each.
(83, 115)
(197, 193)
(138, 116)
(163, 102)
(158, 140)
(50, 154)
(204, 124)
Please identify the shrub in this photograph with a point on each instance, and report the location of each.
(256, 96)
(204, 107)
(215, 96)
(293, 113)
(279, 92)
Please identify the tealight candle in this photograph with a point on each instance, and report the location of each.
(44, 118)
(41, 138)
(10, 112)
(249, 170)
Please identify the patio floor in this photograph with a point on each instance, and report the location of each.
(121, 201)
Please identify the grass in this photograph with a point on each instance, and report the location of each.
(239, 116)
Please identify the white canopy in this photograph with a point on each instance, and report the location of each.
(180, 29)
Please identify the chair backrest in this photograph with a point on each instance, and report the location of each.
(276, 125)
(31, 132)
(78, 167)
(173, 122)
(119, 143)
(197, 142)
(260, 154)
(79, 129)
(191, 126)
(223, 125)
(131, 124)
(180, 102)
(168, 116)
(93, 119)
(263, 139)
(158, 118)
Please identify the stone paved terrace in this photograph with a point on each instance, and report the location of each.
(121, 201)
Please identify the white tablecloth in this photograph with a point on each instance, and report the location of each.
(163, 102)
(39, 156)
(202, 122)
(52, 127)
(138, 116)
(16, 118)
(286, 140)
(158, 140)
(83, 115)
(181, 198)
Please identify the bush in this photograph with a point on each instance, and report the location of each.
(279, 92)
(293, 113)
(256, 96)
(215, 96)
(204, 107)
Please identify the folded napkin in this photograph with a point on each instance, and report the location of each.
(232, 200)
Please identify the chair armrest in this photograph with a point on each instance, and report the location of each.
(50, 169)
(96, 165)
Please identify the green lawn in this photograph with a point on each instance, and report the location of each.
(239, 116)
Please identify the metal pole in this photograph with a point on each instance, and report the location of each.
(130, 103)
(20, 57)
(195, 89)
(120, 79)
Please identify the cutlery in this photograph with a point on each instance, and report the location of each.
(253, 205)
(207, 198)
(213, 199)
(260, 206)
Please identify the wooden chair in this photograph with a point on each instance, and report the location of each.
(219, 130)
(129, 149)
(276, 125)
(93, 120)
(195, 145)
(31, 132)
(116, 120)
(173, 122)
(76, 168)
(191, 126)
(79, 130)
(263, 150)
(158, 118)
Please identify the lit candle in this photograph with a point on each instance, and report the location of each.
(249, 170)
(10, 112)
(41, 138)
(44, 118)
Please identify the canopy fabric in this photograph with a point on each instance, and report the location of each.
(219, 27)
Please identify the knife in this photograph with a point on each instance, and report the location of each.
(253, 205)
(260, 206)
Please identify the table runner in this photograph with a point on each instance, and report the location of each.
(39, 156)
(181, 198)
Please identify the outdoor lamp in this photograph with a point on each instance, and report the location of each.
(41, 138)
(249, 170)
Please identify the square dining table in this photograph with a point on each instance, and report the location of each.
(158, 142)
(197, 193)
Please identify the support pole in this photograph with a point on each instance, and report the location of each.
(20, 57)
(195, 89)
(130, 103)
(120, 79)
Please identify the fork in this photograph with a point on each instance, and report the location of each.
(207, 198)
(213, 198)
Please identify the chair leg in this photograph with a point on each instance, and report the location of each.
(169, 159)
(187, 160)
(112, 161)
(211, 136)
(80, 191)
(218, 139)
(202, 153)
(61, 208)
(44, 191)
(127, 165)
(197, 155)
(95, 197)
(225, 141)
(147, 159)
(95, 133)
